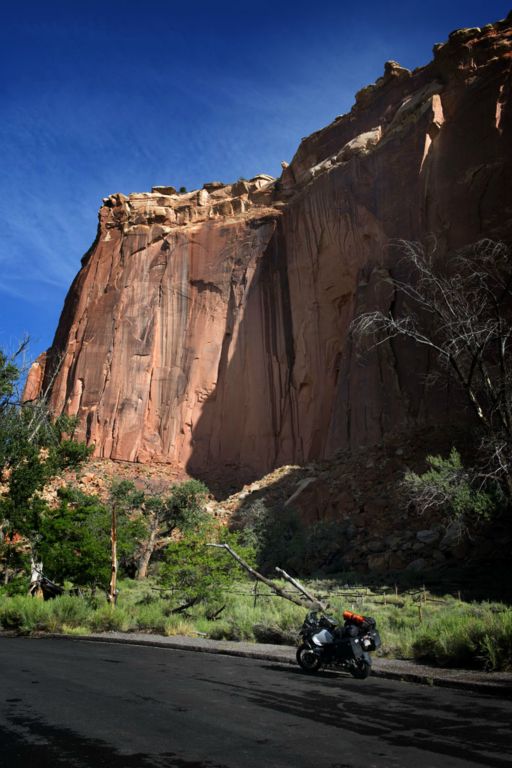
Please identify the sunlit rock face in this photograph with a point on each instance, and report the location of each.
(211, 329)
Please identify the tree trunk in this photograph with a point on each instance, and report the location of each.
(112, 594)
(36, 568)
(147, 551)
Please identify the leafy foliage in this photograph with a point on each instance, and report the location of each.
(449, 487)
(185, 504)
(196, 571)
(9, 374)
(34, 447)
(74, 539)
(279, 537)
(182, 509)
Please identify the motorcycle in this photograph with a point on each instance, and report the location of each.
(324, 642)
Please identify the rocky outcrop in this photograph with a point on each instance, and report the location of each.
(211, 329)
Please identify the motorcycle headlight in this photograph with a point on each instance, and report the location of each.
(366, 643)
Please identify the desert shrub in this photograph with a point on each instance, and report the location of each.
(185, 504)
(110, 619)
(270, 620)
(69, 611)
(177, 625)
(323, 546)
(231, 630)
(152, 617)
(451, 488)
(24, 614)
(277, 536)
(467, 640)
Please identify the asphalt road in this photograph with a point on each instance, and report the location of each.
(77, 704)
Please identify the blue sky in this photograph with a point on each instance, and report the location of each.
(103, 97)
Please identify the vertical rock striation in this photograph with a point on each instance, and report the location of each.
(211, 329)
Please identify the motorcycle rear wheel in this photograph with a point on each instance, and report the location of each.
(307, 659)
(360, 669)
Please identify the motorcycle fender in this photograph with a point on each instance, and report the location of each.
(308, 642)
(366, 656)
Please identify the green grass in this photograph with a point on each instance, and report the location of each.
(475, 638)
(447, 632)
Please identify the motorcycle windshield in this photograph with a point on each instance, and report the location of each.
(323, 637)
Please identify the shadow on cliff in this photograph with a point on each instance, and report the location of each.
(248, 424)
(346, 513)
(291, 385)
(344, 519)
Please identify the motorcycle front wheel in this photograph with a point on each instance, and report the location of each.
(360, 669)
(307, 659)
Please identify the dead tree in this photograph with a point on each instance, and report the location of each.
(460, 309)
(312, 602)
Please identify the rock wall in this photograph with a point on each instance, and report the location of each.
(211, 329)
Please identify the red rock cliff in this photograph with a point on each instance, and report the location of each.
(210, 329)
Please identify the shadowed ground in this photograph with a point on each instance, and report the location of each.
(81, 704)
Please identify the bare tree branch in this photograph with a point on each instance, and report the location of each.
(256, 575)
(314, 600)
(460, 308)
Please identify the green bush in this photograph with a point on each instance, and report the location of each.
(110, 619)
(68, 611)
(279, 537)
(452, 489)
(24, 614)
(467, 640)
(195, 571)
(152, 617)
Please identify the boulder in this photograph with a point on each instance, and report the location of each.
(164, 190)
(428, 536)
(378, 563)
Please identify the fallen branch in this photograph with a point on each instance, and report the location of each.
(214, 616)
(314, 600)
(255, 575)
(188, 604)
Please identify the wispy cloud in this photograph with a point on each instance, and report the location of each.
(104, 101)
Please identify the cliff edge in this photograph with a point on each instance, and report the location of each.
(211, 329)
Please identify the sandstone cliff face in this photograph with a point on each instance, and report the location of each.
(211, 329)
